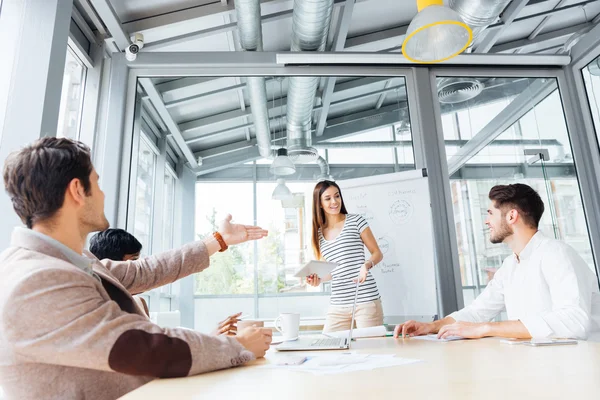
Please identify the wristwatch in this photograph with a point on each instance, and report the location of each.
(219, 239)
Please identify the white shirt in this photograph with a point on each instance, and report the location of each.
(548, 287)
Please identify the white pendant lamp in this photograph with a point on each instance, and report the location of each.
(437, 33)
(282, 165)
(281, 191)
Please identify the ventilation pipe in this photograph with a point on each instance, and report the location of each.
(479, 14)
(322, 163)
(250, 32)
(310, 28)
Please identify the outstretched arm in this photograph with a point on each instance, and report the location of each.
(164, 268)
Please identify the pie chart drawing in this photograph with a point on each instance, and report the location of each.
(400, 212)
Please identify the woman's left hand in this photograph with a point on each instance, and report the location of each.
(362, 276)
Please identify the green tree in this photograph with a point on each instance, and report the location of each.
(226, 272)
(271, 273)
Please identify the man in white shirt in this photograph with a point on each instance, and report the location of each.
(547, 289)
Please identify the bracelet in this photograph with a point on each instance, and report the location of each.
(372, 265)
(221, 241)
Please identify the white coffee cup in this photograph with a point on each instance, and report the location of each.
(290, 325)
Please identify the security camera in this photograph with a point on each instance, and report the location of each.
(134, 48)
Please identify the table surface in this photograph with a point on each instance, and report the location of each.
(483, 369)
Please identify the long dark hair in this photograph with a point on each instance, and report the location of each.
(318, 214)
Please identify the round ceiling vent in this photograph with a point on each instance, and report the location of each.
(302, 154)
(458, 90)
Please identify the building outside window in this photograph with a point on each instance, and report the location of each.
(71, 100)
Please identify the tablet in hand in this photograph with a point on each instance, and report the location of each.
(321, 268)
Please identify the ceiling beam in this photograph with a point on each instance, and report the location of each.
(341, 127)
(183, 19)
(215, 164)
(220, 29)
(518, 107)
(182, 87)
(384, 39)
(179, 27)
(542, 41)
(538, 29)
(338, 45)
(225, 149)
(172, 127)
(88, 10)
(507, 17)
(110, 19)
(203, 124)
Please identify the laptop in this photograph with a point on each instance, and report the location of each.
(326, 343)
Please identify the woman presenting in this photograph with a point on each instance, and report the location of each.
(340, 237)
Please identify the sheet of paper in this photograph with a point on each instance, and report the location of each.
(329, 364)
(374, 331)
(434, 338)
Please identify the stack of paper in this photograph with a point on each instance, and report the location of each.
(329, 364)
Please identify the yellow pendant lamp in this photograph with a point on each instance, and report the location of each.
(437, 33)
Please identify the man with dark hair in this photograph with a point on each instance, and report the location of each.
(120, 245)
(115, 244)
(546, 288)
(69, 326)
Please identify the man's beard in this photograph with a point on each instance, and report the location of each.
(95, 223)
(498, 236)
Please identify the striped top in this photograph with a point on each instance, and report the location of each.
(348, 251)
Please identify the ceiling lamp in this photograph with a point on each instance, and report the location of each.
(282, 165)
(437, 33)
(281, 191)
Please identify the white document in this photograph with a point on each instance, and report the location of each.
(434, 338)
(329, 364)
(321, 268)
(373, 331)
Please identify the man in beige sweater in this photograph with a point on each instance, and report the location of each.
(69, 327)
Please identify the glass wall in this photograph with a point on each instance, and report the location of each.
(71, 100)
(144, 195)
(366, 132)
(502, 131)
(230, 272)
(591, 77)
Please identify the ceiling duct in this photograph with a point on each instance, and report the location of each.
(250, 33)
(457, 90)
(324, 166)
(310, 27)
(479, 14)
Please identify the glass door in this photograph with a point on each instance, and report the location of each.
(502, 130)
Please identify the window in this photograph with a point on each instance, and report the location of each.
(168, 209)
(591, 77)
(71, 99)
(144, 195)
(230, 272)
(288, 245)
(534, 150)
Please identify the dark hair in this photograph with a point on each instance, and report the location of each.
(521, 197)
(318, 215)
(114, 244)
(37, 176)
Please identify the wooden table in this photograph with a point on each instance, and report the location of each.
(482, 369)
